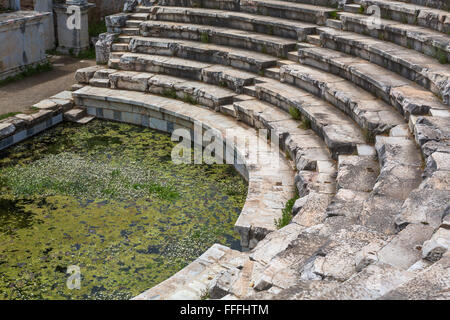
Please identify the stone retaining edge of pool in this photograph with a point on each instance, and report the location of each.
(46, 114)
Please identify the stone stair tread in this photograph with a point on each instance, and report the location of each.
(85, 120)
(413, 14)
(231, 19)
(406, 95)
(218, 35)
(288, 9)
(209, 265)
(253, 61)
(429, 284)
(337, 129)
(371, 283)
(416, 65)
(368, 111)
(416, 33)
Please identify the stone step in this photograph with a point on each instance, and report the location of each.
(334, 23)
(131, 23)
(102, 83)
(85, 120)
(193, 91)
(428, 204)
(74, 114)
(412, 14)
(266, 44)
(288, 10)
(369, 284)
(220, 75)
(400, 174)
(231, 5)
(210, 53)
(124, 39)
(353, 8)
(293, 56)
(123, 47)
(139, 16)
(357, 173)
(235, 20)
(313, 39)
(424, 70)
(340, 133)
(437, 4)
(273, 73)
(201, 272)
(302, 145)
(130, 31)
(424, 40)
(370, 113)
(116, 54)
(429, 284)
(405, 95)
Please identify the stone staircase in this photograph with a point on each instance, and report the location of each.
(361, 112)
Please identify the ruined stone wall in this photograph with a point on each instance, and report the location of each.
(23, 39)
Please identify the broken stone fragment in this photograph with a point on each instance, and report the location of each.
(435, 248)
(103, 47)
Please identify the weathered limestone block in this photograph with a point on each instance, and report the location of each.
(337, 258)
(223, 282)
(397, 181)
(115, 21)
(431, 129)
(371, 283)
(307, 181)
(6, 129)
(379, 213)
(397, 150)
(426, 206)
(347, 203)
(430, 284)
(437, 246)
(437, 161)
(311, 209)
(357, 173)
(103, 47)
(404, 249)
(130, 80)
(85, 74)
(434, 146)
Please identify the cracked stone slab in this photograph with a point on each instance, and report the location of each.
(357, 173)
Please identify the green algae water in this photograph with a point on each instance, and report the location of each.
(106, 198)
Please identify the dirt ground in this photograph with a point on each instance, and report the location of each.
(21, 94)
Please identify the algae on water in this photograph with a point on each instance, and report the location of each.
(107, 198)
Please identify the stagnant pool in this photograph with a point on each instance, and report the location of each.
(106, 197)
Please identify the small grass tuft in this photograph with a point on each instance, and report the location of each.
(204, 37)
(333, 15)
(7, 115)
(286, 214)
(306, 124)
(441, 56)
(170, 93)
(361, 9)
(189, 99)
(369, 136)
(295, 113)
